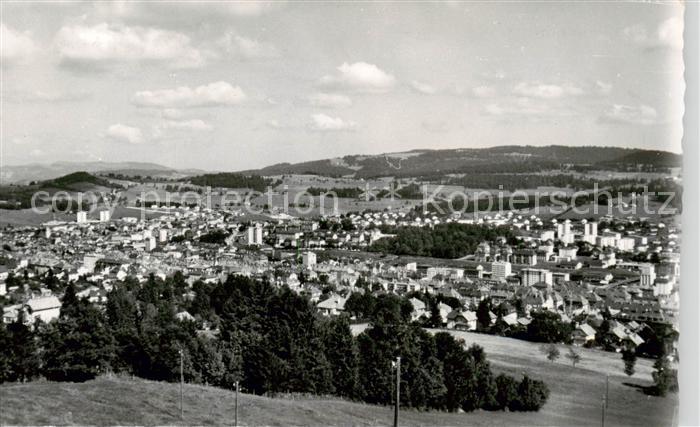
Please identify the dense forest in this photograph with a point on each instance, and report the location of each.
(512, 181)
(350, 193)
(232, 180)
(451, 240)
(268, 338)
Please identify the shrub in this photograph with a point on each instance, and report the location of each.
(532, 394)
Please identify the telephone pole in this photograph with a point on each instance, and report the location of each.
(398, 391)
(182, 381)
(235, 411)
(602, 421)
(607, 397)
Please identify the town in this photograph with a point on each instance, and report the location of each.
(587, 272)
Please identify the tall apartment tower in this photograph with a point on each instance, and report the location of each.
(81, 217)
(500, 270)
(647, 274)
(255, 235)
(530, 276)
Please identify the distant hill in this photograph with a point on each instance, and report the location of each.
(24, 174)
(415, 163)
(77, 178)
(503, 159)
(19, 196)
(647, 157)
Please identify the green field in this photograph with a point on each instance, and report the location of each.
(575, 399)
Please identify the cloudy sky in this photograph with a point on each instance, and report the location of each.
(230, 86)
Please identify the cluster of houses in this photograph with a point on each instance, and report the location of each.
(576, 268)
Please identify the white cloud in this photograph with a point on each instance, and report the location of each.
(213, 94)
(360, 77)
(423, 88)
(638, 115)
(323, 123)
(246, 48)
(484, 92)
(15, 47)
(668, 34)
(330, 100)
(603, 88)
(124, 133)
(540, 90)
(103, 44)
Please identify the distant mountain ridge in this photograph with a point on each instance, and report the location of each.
(23, 174)
(501, 159)
(413, 163)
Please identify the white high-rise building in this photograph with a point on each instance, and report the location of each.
(647, 274)
(564, 233)
(150, 243)
(563, 228)
(590, 229)
(163, 235)
(81, 217)
(309, 259)
(500, 270)
(625, 244)
(530, 276)
(105, 216)
(606, 240)
(255, 235)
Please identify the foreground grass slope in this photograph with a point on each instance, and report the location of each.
(122, 401)
(576, 393)
(575, 399)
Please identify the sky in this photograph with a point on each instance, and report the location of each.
(240, 85)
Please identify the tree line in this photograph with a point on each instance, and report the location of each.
(233, 180)
(269, 338)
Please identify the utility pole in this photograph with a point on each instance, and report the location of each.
(607, 397)
(182, 381)
(602, 421)
(398, 391)
(235, 411)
